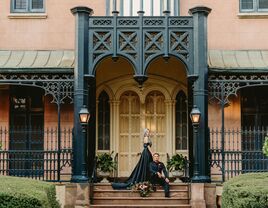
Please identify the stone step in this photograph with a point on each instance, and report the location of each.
(140, 206)
(141, 200)
(129, 193)
(173, 186)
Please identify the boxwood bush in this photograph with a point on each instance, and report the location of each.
(246, 191)
(26, 193)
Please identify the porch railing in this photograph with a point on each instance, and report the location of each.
(34, 153)
(236, 151)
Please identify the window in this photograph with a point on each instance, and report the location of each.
(181, 122)
(150, 7)
(27, 6)
(103, 122)
(253, 5)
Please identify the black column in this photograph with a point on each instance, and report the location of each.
(200, 92)
(79, 169)
(91, 81)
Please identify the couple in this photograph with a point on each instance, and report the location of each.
(149, 168)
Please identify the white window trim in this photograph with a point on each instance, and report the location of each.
(29, 8)
(255, 8)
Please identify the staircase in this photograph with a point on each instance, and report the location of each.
(106, 196)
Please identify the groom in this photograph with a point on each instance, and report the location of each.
(159, 173)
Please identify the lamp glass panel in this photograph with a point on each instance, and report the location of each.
(196, 118)
(83, 118)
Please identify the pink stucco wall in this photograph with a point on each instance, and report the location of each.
(226, 30)
(56, 32)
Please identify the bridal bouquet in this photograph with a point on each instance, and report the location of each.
(144, 188)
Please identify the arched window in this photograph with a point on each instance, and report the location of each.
(181, 122)
(103, 122)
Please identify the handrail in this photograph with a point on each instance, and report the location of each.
(92, 180)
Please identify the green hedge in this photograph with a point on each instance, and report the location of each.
(246, 191)
(26, 193)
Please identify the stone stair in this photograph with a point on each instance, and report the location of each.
(106, 196)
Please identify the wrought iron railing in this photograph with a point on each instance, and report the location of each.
(237, 151)
(35, 153)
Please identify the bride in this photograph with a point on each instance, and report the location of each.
(141, 172)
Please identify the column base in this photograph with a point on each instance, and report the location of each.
(200, 179)
(198, 195)
(79, 179)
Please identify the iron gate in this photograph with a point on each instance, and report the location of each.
(48, 163)
(236, 151)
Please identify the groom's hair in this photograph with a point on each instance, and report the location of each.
(156, 153)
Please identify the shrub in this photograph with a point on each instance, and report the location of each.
(246, 191)
(26, 193)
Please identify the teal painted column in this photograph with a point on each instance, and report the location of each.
(80, 150)
(201, 171)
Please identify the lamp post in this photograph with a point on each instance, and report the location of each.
(84, 116)
(195, 118)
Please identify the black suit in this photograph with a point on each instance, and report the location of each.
(159, 167)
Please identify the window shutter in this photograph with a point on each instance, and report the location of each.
(263, 4)
(20, 4)
(37, 4)
(246, 5)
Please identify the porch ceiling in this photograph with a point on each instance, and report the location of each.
(35, 61)
(252, 61)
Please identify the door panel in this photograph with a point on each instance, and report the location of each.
(134, 117)
(155, 120)
(129, 141)
(26, 131)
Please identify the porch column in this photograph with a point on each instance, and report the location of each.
(91, 86)
(79, 166)
(169, 127)
(200, 93)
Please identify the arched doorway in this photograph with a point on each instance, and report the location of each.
(160, 104)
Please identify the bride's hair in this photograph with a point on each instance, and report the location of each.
(146, 132)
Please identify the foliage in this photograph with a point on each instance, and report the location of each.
(246, 191)
(265, 146)
(26, 193)
(144, 188)
(105, 162)
(177, 162)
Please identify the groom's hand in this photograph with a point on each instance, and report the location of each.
(159, 175)
(167, 181)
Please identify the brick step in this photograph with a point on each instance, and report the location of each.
(129, 193)
(140, 206)
(141, 200)
(173, 186)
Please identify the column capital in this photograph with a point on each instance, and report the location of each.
(200, 9)
(82, 9)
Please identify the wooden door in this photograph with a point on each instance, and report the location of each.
(134, 117)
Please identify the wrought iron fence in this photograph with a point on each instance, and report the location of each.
(236, 151)
(36, 153)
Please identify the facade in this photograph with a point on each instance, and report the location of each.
(132, 72)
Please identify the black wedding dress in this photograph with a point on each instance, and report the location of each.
(141, 172)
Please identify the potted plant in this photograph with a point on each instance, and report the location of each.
(105, 165)
(177, 165)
